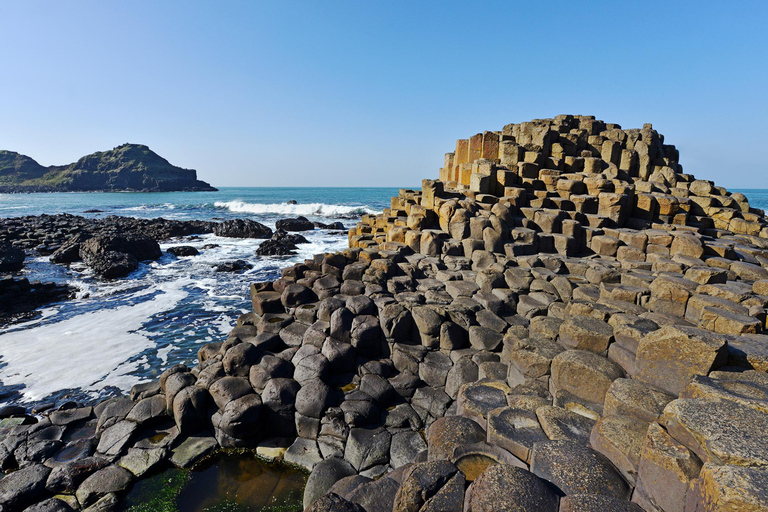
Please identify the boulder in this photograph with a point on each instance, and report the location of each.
(297, 224)
(182, 250)
(324, 475)
(449, 432)
(111, 479)
(275, 248)
(333, 503)
(113, 256)
(435, 485)
(11, 258)
(23, 487)
(503, 488)
(242, 228)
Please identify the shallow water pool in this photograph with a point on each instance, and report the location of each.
(227, 482)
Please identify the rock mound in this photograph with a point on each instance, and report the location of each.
(564, 321)
(130, 167)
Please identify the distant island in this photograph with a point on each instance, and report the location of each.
(130, 167)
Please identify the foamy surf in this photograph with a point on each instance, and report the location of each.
(307, 209)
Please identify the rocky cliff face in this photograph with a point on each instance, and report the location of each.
(130, 167)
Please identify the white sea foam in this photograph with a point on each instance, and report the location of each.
(316, 209)
(88, 351)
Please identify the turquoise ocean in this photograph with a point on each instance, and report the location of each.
(115, 334)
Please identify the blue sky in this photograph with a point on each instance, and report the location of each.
(342, 93)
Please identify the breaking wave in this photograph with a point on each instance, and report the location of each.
(337, 211)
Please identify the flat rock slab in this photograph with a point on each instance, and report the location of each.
(732, 488)
(563, 425)
(584, 374)
(304, 453)
(670, 356)
(746, 391)
(478, 399)
(515, 430)
(191, 450)
(596, 503)
(577, 469)
(631, 397)
(722, 432)
(139, 461)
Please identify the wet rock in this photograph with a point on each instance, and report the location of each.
(11, 258)
(241, 418)
(50, 505)
(183, 250)
(112, 256)
(242, 228)
(191, 450)
(235, 266)
(140, 462)
(67, 477)
(115, 438)
(297, 224)
(227, 389)
(275, 248)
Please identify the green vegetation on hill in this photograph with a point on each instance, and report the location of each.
(130, 167)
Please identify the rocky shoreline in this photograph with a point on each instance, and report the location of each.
(564, 321)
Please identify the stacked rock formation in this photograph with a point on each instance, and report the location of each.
(564, 321)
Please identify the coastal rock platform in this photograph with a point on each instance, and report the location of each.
(563, 321)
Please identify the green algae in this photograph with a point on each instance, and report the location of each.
(226, 482)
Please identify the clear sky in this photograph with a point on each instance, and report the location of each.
(364, 93)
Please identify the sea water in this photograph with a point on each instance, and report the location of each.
(118, 333)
